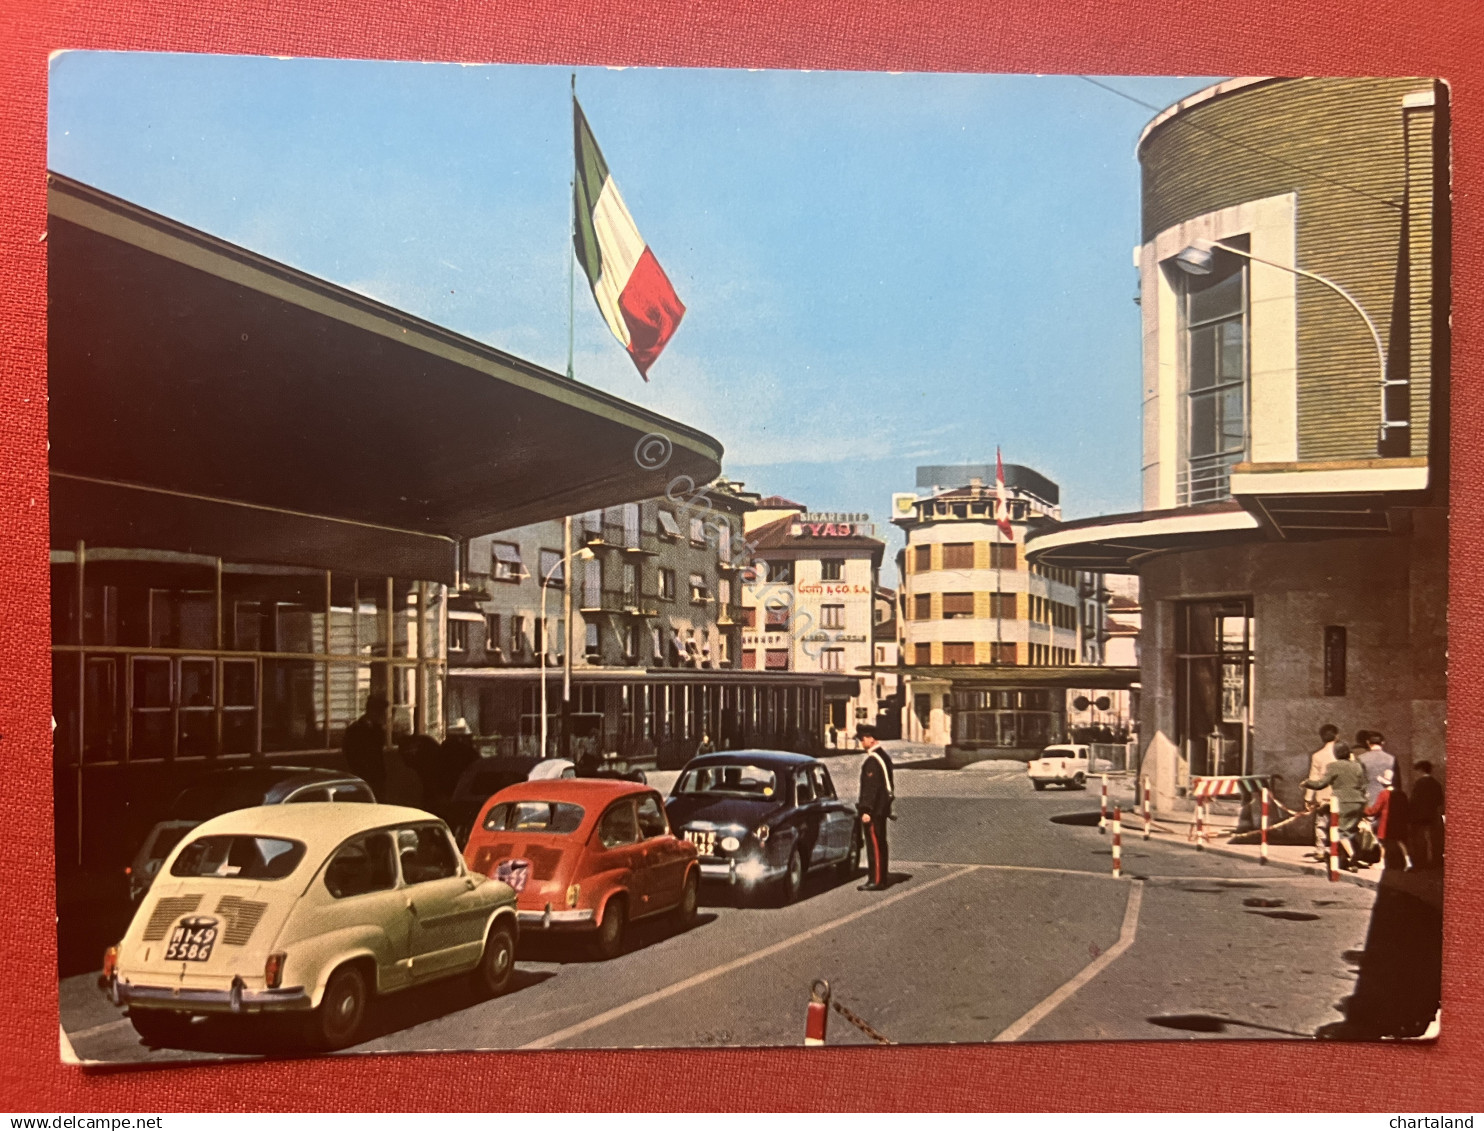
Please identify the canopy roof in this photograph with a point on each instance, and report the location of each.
(184, 364)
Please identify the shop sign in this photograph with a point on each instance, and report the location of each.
(841, 589)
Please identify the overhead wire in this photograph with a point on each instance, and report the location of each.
(1273, 157)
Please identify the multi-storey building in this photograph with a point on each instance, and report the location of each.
(657, 659)
(890, 698)
(1292, 549)
(809, 606)
(989, 639)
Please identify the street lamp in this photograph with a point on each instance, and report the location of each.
(582, 555)
(1199, 259)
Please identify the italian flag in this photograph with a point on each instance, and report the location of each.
(633, 293)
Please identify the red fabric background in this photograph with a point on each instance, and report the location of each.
(1412, 37)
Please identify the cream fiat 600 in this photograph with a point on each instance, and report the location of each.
(308, 909)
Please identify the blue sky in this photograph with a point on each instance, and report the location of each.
(879, 270)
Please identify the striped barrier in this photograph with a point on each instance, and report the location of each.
(1103, 809)
(1117, 842)
(1264, 854)
(1148, 824)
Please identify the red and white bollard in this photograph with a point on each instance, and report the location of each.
(1117, 842)
(1147, 823)
(1264, 854)
(818, 1017)
(1103, 809)
(1334, 839)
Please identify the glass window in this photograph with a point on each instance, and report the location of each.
(697, 532)
(551, 567)
(1002, 555)
(558, 817)
(363, 865)
(669, 528)
(777, 659)
(667, 584)
(823, 787)
(239, 857)
(618, 826)
(803, 788)
(741, 780)
(832, 569)
(1216, 377)
(458, 636)
(922, 654)
(957, 605)
(591, 642)
(922, 559)
(506, 561)
(631, 525)
(781, 571)
(318, 793)
(922, 606)
(724, 541)
(958, 555)
(723, 591)
(832, 616)
(699, 591)
(359, 794)
(1214, 643)
(652, 817)
(426, 854)
(961, 652)
(832, 660)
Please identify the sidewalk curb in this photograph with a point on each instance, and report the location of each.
(1287, 865)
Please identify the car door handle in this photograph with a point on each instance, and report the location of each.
(412, 907)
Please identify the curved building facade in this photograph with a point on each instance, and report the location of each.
(1292, 547)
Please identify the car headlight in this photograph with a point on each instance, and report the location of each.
(761, 832)
(730, 843)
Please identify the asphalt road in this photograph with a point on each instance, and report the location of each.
(1003, 923)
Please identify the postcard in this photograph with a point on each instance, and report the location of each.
(627, 558)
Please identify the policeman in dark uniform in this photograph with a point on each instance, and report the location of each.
(877, 789)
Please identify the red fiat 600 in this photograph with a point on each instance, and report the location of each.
(585, 855)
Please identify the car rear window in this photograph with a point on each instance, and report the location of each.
(239, 857)
(736, 781)
(534, 817)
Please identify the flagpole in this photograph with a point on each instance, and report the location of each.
(565, 740)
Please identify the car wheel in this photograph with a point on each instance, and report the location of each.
(793, 879)
(497, 964)
(852, 862)
(690, 898)
(159, 1028)
(608, 939)
(1080, 781)
(1040, 785)
(337, 1021)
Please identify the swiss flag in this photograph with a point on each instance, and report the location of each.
(1001, 498)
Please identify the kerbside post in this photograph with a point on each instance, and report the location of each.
(1264, 858)
(1103, 807)
(1117, 842)
(1147, 822)
(1334, 839)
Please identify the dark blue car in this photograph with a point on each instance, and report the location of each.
(763, 819)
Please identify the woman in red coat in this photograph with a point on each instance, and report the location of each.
(1388, 815)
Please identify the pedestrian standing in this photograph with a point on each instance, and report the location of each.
(364, 744)
(1346, 779)
(834, 737)
(1317, 800)
(1377, 762)
(1388, 814)
(1427, 818)
(877, 791)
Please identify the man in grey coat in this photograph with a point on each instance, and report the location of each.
(1346, 779)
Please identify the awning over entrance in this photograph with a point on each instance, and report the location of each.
(1279, 502)
(1074, 676)
(183, 364)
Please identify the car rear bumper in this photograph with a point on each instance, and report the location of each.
(237, 999)
(552, 920)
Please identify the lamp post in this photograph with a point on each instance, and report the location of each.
(581, 555)
(1199, 259)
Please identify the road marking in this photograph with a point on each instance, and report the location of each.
(552, 1039)
(1005, 868)
(1088, 972)
(96, 1030)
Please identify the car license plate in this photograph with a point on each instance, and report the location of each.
(703, 839)
(192, 940)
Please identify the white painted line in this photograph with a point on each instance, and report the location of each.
(553, 1039)
(106, 1027)
(1005, 868)
(1088, 972)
